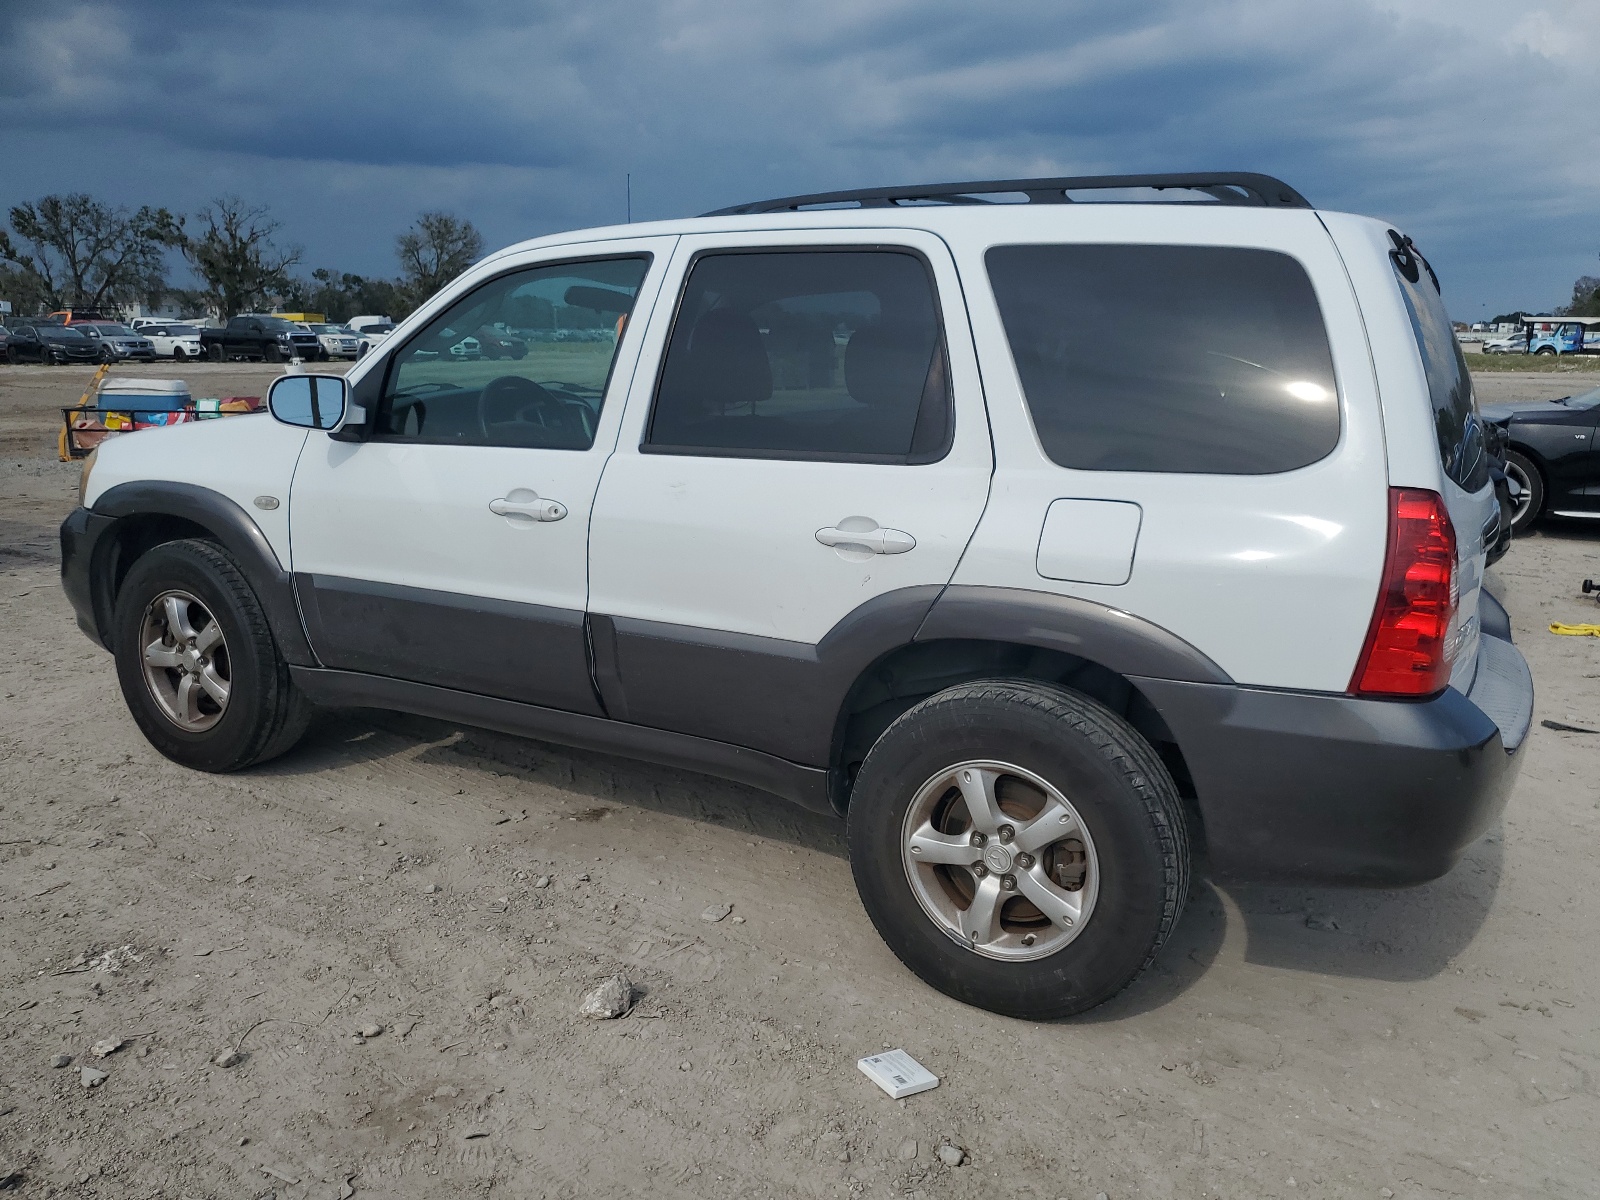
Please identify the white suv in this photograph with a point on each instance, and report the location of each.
(1040, 540)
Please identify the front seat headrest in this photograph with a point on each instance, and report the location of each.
(725, 364)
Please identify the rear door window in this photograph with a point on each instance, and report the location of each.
(1198, 359)
(1455, 408)
(820, 355)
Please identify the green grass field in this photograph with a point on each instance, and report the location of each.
(1566, 364)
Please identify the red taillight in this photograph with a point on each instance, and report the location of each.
(1405, 650)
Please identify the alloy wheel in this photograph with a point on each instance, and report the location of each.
(1000, 860)
(186, 663)
(1521, 490)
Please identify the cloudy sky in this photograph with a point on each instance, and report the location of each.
(1473, 124)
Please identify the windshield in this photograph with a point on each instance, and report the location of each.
(329, 329)
(278, 324)
(61, 333)
(115, 330)
(182, 331)
(378, 329)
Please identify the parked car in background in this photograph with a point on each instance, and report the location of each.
(260, 336)
(337, 341)
(1550, 456)
(118, 343)
(496, 343)
(5, 337)
(369, 336)
(174, 341)
(1516, 343)
(50, 345)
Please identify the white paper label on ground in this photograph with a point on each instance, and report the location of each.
(897, 1073)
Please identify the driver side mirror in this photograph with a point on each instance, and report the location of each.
(309, 401)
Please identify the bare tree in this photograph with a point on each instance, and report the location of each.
(86, 254)
(437, 248)
(235, 257)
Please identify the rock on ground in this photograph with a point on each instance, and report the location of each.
(951, 1156)
(611, 999)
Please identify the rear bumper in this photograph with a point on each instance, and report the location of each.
(1326, 788)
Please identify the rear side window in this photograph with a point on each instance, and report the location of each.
(1198, 359)
(824, 355)
(1455, 408)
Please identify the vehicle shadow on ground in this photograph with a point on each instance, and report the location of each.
(1393, 934)
(594, 780)
(1390, 934)
(1396, 935)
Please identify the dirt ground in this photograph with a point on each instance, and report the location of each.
(1442, 1041)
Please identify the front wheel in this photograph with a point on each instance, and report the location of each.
(1527, 492)
(1019, 846)
(216, 353)
(197, 662)
(1544, 350)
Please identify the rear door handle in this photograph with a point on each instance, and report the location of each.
(526, 505)
(850, 533)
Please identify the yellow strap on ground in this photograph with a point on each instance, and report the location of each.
(1575, 630)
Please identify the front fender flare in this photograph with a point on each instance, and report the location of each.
(238, 534)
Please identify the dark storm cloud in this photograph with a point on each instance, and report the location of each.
(347, 120)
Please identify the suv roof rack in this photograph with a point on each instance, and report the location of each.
(1224, 187)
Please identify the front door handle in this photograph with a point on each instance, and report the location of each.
(866, 534)
(525, 505)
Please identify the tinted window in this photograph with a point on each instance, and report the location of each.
(1197, 359)
(535, 378)
(1455, 408)
(815, 354)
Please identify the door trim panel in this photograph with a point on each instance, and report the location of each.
(531, 653)
(777, 696)
(805, 786)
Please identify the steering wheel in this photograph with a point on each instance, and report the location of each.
(517, 394)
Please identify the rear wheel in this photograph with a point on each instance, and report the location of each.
(1527, 492)
(199, 668)
(1019, 846)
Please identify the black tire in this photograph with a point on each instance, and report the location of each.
(1123, 794)
(216, 353)
(1517, 462)
(265, 713)
(12, 356)
(270, 353)
(1544, 350)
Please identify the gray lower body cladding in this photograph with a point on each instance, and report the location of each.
(1323, 788)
